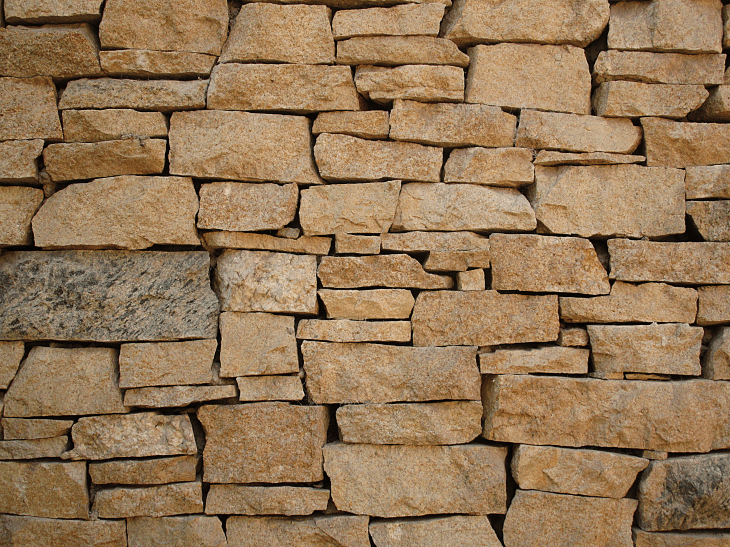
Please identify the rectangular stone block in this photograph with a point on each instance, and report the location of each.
(176, 531)
(40, 12)
(635, 99)
(28, 449)
(265, 242)
(438, 531)
(681, 144)
(177, 396)
(417, 242)
(270, 388)
(344, 330)
(372, 304)
(145, 63)
(659, 68)
(397, 270)
(357, 244)
(471, 280)
(19, 161)
(510, 167)
(679, 539)
(549, 158)
(344, 530)
(424, 83)
(237, 499)
(717, 107)
(166, 363)
(28, 107)
(712, 181)
(150, 501)
(544, 360)
(112, 124)
(162, 95)
(399, 50)
(711, 218)
(456, 261)
(714, 305)
(402, 20)
(145, 471)
(367, 124)
(18, 205)
(41, 532)
(34, 428)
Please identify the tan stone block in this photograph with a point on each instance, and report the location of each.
(320, 531)
(370, 124)
(726, 27)
(162, 95)
(176, 531)
(265, 242)
(711, 218)
(397, 271)
(281, 34)
(112, 124)
(275, 442)
(41, 12)
(19, 161)
(712, 181)
(28, 449)
(41, 532)
(18, 204)
(236, 206)
(151, 501)
(345, 330)
(177, 396)
(659, 68)
(144, 471)
(436, 532)
(145, 63)
(634, 99)
(270, 388)
(28, 109)
(493, 167)
(372, 304)
(456, 261)
(568, 521)
(400, 50)
(375, 373)
(416, 242)
(403, 20)
(166, 363)
(544, 360)
(425, 83)
(20, 428)
(716, 362)
(237, 499)
(714, 305)
(681, 144)
(572, 337)
(472, 280)
(357, 244)
(680, 539)
(530, 76)
(549, 158)
(717, 107)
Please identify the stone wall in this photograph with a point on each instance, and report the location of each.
(364, 273)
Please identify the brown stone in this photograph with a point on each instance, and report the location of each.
(28, 109)
(714, 305)
(490, 166)
(397, 271)
(549, 158)
(659, 68)
(416, 242)
(237, 499)
(370, 124)
(472, 280)
(270, 388)
(717, 107)
(177, 396)
(41, 532)
(424, 83)
(634, 99)
(403, 20)
(712, 181)
(162, 95)
(166, 363)
(151, 501)
(357, 244)
(681, 144)
(711, 218)
(400, 50)
(680, 539)
(144, 471)
(320, 531)
(112, 124)
(372, 304)
(145, 63)
(345, 330)
(573, 337)
(265, 242)
(236, 206)
(176, 531)
(544, 360)
(38, 428)
(436, 532)
(716, 364)
(18, 204)
(456, 261)
(39, 11)
(19, 161)
(28, 449)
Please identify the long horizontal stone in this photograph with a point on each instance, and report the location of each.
(401, 20)
(18, 205)
(679, 539)
(621, 99)
(266, 242)
(357, 244)
(712, 181)
(578, 412)
(176, 531)
(549, 158)
(397, 271)
(149, 501)
(177, 396)
(412, 242)
(510, 167)
(28, 108)
(238, 499)
(400, 50)
(111, 124)
(344, 330)
(424, 83)
(388, 373)
(270, 388)
(28, 449)
(659, 68)
(366, 124)
(40, 532)
(144, 471)
(370, 304)
(438, 531)
(19, 160)
(38, 11)
(680, 144)
(714, 305)
(166, 363)
(103, 296)
(404, 481)
(146, 63)
(34, 428)
(11, 354)
(162, 95)
(544, 360)
(485, 318)
(344, 530)
(711, 218)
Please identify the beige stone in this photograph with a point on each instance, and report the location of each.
(667, 25)
(607, 413)
(456, 261)
(681, 144)
(717, 107)
(404, 481)
(176, 531)
(19, 161)
(726, 27)
(680, 539)
(38, 428)
(436, 532)
(568, 521)
(199, 26)
(236, 206)
(166, 363)
(162, 95)
(716, 362)
(342, 157)
(609, 200)
(553, 22)
(28, 449)
(145, 63)
(634, 99)
(711, 218)
(265, 242)
(144, 471)
(372, 304)
(403, 20)
(447, 423)
(345, 330)
(471, 280)
(550, 158)
(281, 34)
(274, 442)
(237, 499)
(28, 109)
(41, 532)
(573, 337)
(416, 242)
(40, 11)
(530, 76)
(270, 388)
(536, 263)
(543, 360)
(18, 204)
(44, 489)
(490, 166)
(425, 83)
(370, 124)
(485, 318)
(320, 531)
(357, 244)
(375, 373)
(714, 305)
(453, 207)
(177, 396)
(136, 435)
(400, 50)
(396, 271)
(712, 181)
(151, 501)
(112, 124)
(659, 68)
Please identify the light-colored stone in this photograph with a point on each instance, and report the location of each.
(471, 280)
(435, 532)
(544, 360)
(369, 124)
(680, 539)
(619, 99)
(145, 63)
(28, 449)
(19, 161)
(485, 318)
(404, 481)
(20, 531)
(357, 244)
(151, 501)
(573, 337)
(659, 68)
(609, 200)
(345, 330)
(416, 242)
(714, 305)
(404, 20)
(425, 83)
(681, 144)
(717, 107)
(236, 206)
(18, 204)
(320, 531)
(41, 11)
(144, 471)
(711, 218)
(396, 271)
(536, 263)
(38, 428)
(237, 499)
(274, 33)
(177, 396)
(667, 25)
(490, 166)
(28, 109)
(176, 531)
(362, 305)
(375, 373)
(166, 363)
(568, 521)
(265, 242)
(456, 261)
(112, 124)
(716, 365)
(274, 442)
(270, 388)
(711, 181)
(162, 95)
(530, 76)
(549, 158)
(400, 50)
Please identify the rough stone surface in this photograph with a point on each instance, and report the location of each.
(166, 363)
(162, 95)
(714, 305)
(38, 428)
(145, 63)
(112, 124)
(373, 304)
(237, 499)
(403, 20)
(424, 83)
(177, 396)
(144, 471)
(369, 124)
(471, 280)
(400, 50)
(549, 158)
(397, 271)
(41, 532)
(573, 337)
(39, 11)
(544, 360)
(711, 218)
(680, 539)
(28, 109)
(717, 107)
(357, 244)
(436, 532)
(19, 160)
(490, 166)
(456, 261)
(270, 388)
(659, 68)
(413, 242)
(711, 181)
(152, 501)
(320, 531)
(344, 330)
(18, 204)
(634, 99)
(716, 360)
(176, 531)
(677, 144)
(265, 242)
(28, 449)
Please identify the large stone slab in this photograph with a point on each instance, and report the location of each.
(375, 373)
(39, 11)
(544, 360)
(319, 531)
(266, 242)
(41, 532)
(716, 360)
(362, 305)
(238, 499)
(578, 412)
(485, 318)
(166, 363)
(104, 296)
(344, 330)
(408, 481)
(402, 20)
(680, 539)
(146, 63)
(398, 271)
(399, 50)
(530, 76)
(28, 109)
(19, 160)
(712, 181)
(144, 471)
(176, 531)
(436, 532)
(510, 167)
(111, 124)
(151, 501)
(366, 124)
(677, 144)
(425, 83)
(634, 99)
(34, 428)
(659, 68)
(161, 95)
(18, 204)
(711, 218)
(714, 305)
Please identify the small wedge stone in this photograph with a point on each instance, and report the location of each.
(237, 499)
(634, 99)
(150, 501)
(145, 63)
(370, 124)
(166, 363)
(162, 95)
(340, 530)
(372, 304)
(436, 532)
(176, 531)
(112, 124)
(659, 68)
(345, 330)
(677, 144)
(19, 161)
(510, 167)
(265, 242)
(711, 218)
(400, 50)
(402, 20)
(393, 271)
(545, 360)
(34, 428)
(714, 305)
(144, 471)
(28, 109)
(18, 205)
(424, 83)
(270, 388)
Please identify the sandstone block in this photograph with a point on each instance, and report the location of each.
(712, 181)
(28, 449)
(425, 83)
(711, 218)
(400, 50)
(716, 364)
(236, 206)
(549, 158)
(176, 531)
(634, 99)
(437, 532)
(472, 280)
(237, 499)
(144, 471)
(270, 388)
(403, 20)
(372, 304)
(714, 305)
(357, 244)
(112, 124)
(678, 144)
(679, 539)
(19, 160)
(28, 109)
(397, 271)
(416, 242)
(572, 337)
(717, 107)
(490, 166)
(344, 530)
(659, 68)
(151, 501)
(38, 428)
(265, 242)
(145, 63)
(162, 95)
(166, 363)
(177, 396)
(544, 360)
(456, 261)
(18, 204)
(345, 330)
(39, 11)
(369, 124)
(40, 532)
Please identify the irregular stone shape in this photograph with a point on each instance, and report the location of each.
(41, 12)
(369, 124)
(553, 22)
(270, 388)
(237, 499)
(239, 240)
(166, 363)
(569, 521)
(545, 360)
(104, 296)
(18, 204)
(136, 435)
(717, 107)
(609, 200)
(653, 26)
(282, 87)
(400, 50)
(405, 481)
(151, 501)
(490, 166)
(162, 95)
(144, 471)
(373, 304)
(112, 124)
(711, 218)
(275, 442)
(629, 303)
(677, 144)
(714, 305)
(530, 76)
(403, 20)
(263, 281)
(177, 396)
(548, 158)
(575, 133)
(40, 532)
(680, 539)
(681, 262)
(634, 99)
(436, 532)
(716, 360)
(19, 160)
(425, 83)
(19, 428)
(398, 271)
(242, 146)
(344, 330)
(44, 489)
(453, 422)
(66, 381)
(610, 413)
(340, 530)
(579, 472)
(188, 25)
(28, 449)
(352, 208)
(453, 207)
(416, 242)
(485, 318)
(281, 34)
(472, 280)
(711, 181)
(61, 52)
(456, 261)
(659, 68)
(342, 157)
(357, 244)
(536, 263)
(374, 373)
(450, 125)
(176, 531)
(145, 63)
(666, 502)
(28, 109)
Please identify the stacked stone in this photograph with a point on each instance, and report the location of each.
(513, 297)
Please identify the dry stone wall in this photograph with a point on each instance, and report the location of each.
(364, 272)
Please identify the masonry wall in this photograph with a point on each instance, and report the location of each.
(364, 273)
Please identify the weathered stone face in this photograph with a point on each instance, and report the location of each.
(344, 530)
(635, 99)
(399, 50)
(344, 330)
(145, 63)
(38, 11)
(456, 261)
(399, 271)
(510, 167)
(659, 68)
(717, 358)
(677, 144)
(711, 218)
(424, 83)
(177, 396)
(166, 363)
(18, 204)
(367, 124)
(39, 532)
(28, 449)
(270, 388)
(153, 501)
(162, 95)
(176, 531)
(19, 160)
(144, 471)
(34, 428)
(357, 244)
(550, 159)
(111, 124)
(714, 305)
(238, 499)
(679, 539)
(265, 242)
(372, 304)
(438, 532)
(28, 107)
(717, 107)
(711, 181)
(403, 20)
(545, 360)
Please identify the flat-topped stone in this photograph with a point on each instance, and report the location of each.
(239, 499)
(270, 388)
(18, 205)
(549, 158)
(366, 124)
(542, 360)
(401, 20)
(345, 330)
(176, 531)
(659, 68)
(367, 304)
(399, 50)
(510, 167)
(19, 160)
(425, 83)
(438, 531)
(160, 95)
(266, 242)
(178, 498)
(28, 108)
(145, 470)
(677, 144)
(112, 124)
(712, 181)
(317, 531)
(40, 532)
(34, 428)
(166, 363)
(397, 271)
(714, 305)
(39, 11)
(146, 63)
(619, 99)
